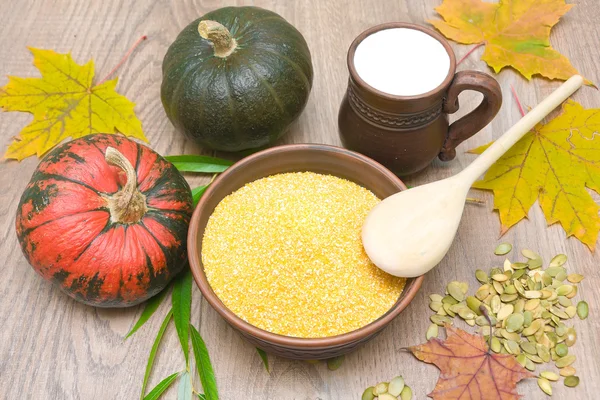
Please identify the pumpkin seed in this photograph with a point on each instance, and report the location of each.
(466, 313)
(496, 345)
(573, 293)
(500, 278)
(481, 276)
(436, 297)
(561, 276)
(386, 396)
(571, 337)
(515, 337)
(565, 361)
(527, 318)
(564, 301)
(514, 322)
(517, 274)
(521, 359)
(535, 263)
(528, 347)
(449, 300)
(582, 310)
(530, 254)
(448, 310)
(559, 313)
(571, 381)
(507, 298)
(432, 331)
(533, 328)
(510, 289)
(519, 265)
(380, 388)
(535, 358)
(575, 278)
(502, 249)
(505, 311)
(553, 271)
(440, 320)
(495, 304)
(561, 350)
(530, 365)
(396, 385)
(558, 260)
(441, 311)
(498, 287)
(368, 394)
(567, 371)
(544, 384)
(435, 305)
(570, 311)
(551, 376)
(512, 347)
(546, 293)
(564, 290)
(533, 294)
(532, 304)
(455, 291)
(406, 393)
(473, 303)
(543, 352)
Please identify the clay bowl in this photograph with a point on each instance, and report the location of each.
(294, 158)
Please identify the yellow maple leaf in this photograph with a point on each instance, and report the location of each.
(516, 33)
(554, 163)
(65, 104)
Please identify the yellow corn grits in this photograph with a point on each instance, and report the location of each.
(284, 253)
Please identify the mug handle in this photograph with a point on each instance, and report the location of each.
(477, 119)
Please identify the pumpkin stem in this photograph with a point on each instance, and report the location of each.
(128, 205)
(219, 36)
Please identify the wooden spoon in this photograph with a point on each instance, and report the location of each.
(409, 233)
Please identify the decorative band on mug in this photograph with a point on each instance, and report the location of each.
(393, 120)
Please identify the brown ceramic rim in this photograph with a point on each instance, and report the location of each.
(391, 25)
(406, 297)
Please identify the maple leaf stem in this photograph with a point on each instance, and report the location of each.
(125, 57)
(514, 93)
(478, 45)
(485, 313)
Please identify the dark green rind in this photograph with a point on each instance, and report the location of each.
(244, 101)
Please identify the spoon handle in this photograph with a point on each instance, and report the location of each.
(518, 130)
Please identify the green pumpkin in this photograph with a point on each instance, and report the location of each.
(236, 78)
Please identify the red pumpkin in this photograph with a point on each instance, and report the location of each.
(106, 219)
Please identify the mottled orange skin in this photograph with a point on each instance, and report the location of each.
(65, 230)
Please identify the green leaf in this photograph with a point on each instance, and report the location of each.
(265, 358)
(151, 306)
(161, 387)
(191, 163)
(201, 396)
(181, 298)
(203, 365)
(198, 192)
(161, 332)
(184, 392)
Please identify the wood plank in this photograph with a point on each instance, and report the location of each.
(55, 348)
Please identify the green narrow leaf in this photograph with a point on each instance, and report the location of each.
(161, 332)
(192, 163)
(184, 392)
(198, 192)
(265, 358)
(161, 387)
(203, 365)
(181, 298)
(151, 306)
(201, 396)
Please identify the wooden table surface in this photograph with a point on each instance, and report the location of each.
(54, 348)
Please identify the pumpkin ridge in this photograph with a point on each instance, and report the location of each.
(27, 231)
(230, 102)
(189, 73)
(43, 176)
(267, 86)
(106, 228)
(293, 64)
(169, 257)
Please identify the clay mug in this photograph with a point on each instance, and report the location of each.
(405, 133)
